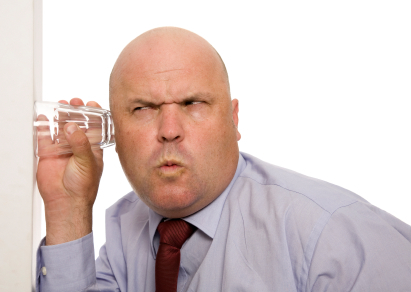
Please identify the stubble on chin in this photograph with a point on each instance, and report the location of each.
(174, 193)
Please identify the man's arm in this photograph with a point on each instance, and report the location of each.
(70, 267)
(362, 248)
(68, 185)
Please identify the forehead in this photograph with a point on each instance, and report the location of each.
(168, 86)
(159, 67)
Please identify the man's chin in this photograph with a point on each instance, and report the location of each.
(173, 205)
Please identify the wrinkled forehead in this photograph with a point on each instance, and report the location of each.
(155, 56)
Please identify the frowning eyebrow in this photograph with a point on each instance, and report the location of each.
(201, 96)
(142, 102)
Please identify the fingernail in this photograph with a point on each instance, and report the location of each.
(72, 128)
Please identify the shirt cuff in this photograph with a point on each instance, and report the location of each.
(67, 267)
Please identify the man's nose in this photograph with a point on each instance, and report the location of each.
(171, 124)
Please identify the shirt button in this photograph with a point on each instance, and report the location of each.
(44, 271)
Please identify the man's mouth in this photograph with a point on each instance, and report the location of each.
(170, 168)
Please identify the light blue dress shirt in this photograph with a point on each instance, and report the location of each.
(270, 230)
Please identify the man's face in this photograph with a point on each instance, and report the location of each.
(176, 133)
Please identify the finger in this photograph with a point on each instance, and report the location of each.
(76, 101)
(93, 103)
(79, 144)
(63, 101)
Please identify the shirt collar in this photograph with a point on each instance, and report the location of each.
(207, 218)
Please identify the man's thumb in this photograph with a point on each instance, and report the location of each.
(79, 143)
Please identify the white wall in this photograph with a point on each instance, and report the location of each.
(20, 85)
(324, 86)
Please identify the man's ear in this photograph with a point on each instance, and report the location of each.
(234, 105)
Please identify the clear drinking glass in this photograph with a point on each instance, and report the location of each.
(50, 118)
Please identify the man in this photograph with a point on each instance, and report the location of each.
(251, 226)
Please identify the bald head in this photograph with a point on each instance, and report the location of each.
(176, 125)
(148, 51)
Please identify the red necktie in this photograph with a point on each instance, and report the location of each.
(173, 234)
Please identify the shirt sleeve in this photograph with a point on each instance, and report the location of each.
(71, 267)
(362, 248)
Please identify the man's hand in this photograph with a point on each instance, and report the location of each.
(68, 185)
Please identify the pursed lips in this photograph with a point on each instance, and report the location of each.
(170, 167)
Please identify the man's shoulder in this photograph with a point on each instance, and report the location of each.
(295, 186)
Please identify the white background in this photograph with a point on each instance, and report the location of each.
(324, 86)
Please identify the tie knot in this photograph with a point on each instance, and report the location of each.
(175, 232)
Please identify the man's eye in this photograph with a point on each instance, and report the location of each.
(192, 102)
(141, 108)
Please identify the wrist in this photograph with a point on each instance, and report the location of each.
(67, 224)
